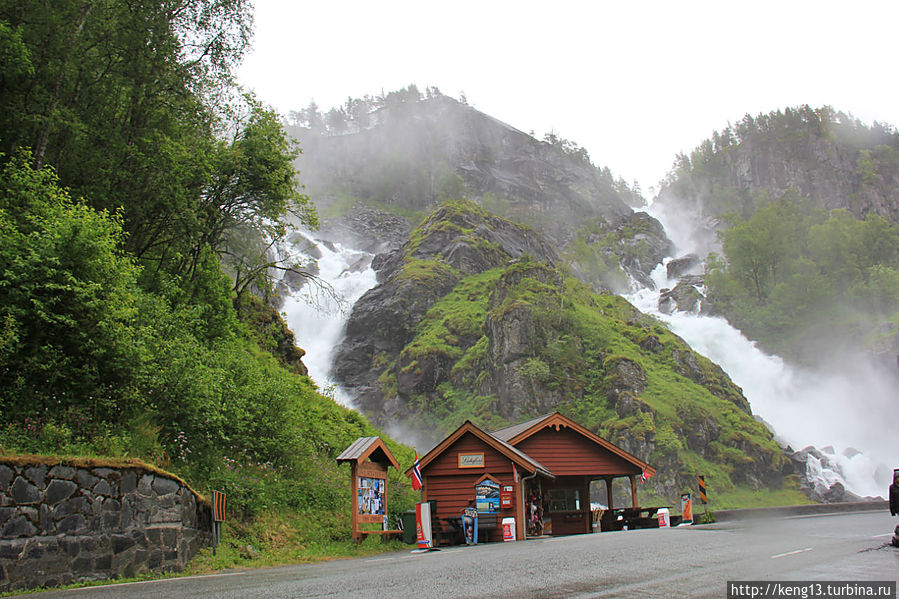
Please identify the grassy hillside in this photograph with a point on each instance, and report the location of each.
(518, 340)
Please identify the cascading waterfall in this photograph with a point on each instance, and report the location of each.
(318, 316)
(850, 420)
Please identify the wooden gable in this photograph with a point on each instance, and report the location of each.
(566, 448)
(473, 440)
(448, 462)
(368, 448)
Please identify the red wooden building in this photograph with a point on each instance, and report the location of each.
(541, 470)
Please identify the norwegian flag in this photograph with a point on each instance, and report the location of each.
(644, 476)
(416, 474)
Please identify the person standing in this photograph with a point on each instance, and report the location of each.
(894, 504)
(894, 494)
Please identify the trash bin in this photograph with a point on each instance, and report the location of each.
(408, 520)
(664, 518)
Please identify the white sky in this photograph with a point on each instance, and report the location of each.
(633, 82)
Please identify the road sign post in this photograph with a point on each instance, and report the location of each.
(218, 516)
(703, 498)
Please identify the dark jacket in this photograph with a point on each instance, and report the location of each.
(894, 499)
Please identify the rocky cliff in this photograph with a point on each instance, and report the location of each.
(411, 155)
(831, 159)
(475, 318)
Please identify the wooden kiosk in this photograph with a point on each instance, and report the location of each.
(548, 462)
(369, 459)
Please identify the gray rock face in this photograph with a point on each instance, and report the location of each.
(367, 229)
(642, 245)
(417, 154)
(680, 266)
(23, 492)
(455, 241)
(62, 524)
(58, 490)
(685, 297)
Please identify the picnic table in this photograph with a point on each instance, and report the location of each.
(632, 517)
(449, 530)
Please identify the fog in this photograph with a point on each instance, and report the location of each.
(849, 412)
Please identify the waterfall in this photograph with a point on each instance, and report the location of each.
(317, 316)
(849, 417)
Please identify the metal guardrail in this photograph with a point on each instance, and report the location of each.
(799, 510)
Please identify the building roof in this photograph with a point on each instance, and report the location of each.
(505, 440)
(368, 447)
(517, 456)
(518, 433)
(511, 432)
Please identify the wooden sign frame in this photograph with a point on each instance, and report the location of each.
(369, 460)
(474, 459)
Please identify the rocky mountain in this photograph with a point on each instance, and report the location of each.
(801, 207)
(475, 317)
(829, 158)
(410, 153)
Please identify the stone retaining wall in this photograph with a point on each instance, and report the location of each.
(69, 523)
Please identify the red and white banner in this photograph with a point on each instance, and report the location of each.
(423, 525)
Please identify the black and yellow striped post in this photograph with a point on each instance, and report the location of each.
(704, 498)
(218, 516)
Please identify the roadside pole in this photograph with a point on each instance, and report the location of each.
(704, 499)
(218, 516)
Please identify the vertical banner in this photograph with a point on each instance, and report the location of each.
(686, 506)
(702, 495)
(470, 524)
(423, 525)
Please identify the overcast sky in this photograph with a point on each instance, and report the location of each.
(633, 82)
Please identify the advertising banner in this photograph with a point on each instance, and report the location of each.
(487, 496)
(423, 525)
(686, 506)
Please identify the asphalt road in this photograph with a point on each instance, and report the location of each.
(694, 561)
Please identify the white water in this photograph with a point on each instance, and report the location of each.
(830, 409)
(318, 317)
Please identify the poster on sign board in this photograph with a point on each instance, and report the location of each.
(487, 496)
(371, 496)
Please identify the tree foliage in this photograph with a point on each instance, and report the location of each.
(790, 267)
(134, 179)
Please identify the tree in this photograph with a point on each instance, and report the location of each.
(67, 298)
(252, 188)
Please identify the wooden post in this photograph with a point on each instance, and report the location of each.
(634, 489)
(585, 509)
(354, 510)
(609, 491)
(520, 511)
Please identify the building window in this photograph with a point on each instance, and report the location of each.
(564, 500)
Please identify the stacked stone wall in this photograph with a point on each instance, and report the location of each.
(61, 523)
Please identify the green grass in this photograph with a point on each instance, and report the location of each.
(742, 497)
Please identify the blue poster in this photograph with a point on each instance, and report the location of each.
(487, 496)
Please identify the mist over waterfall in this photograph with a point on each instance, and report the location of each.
(317, 316)
(848, 415)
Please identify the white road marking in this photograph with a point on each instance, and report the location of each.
(173, 579)
(791, 553)
(889, 534)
